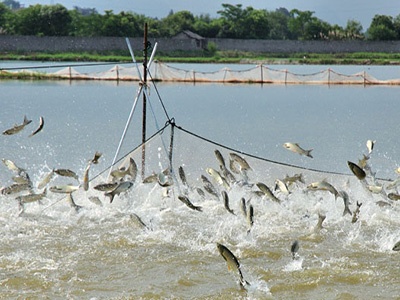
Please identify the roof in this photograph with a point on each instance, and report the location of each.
(191, 35)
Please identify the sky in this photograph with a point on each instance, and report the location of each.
(331, 11)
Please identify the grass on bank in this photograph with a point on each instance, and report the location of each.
(359, 58)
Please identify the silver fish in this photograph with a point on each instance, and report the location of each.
(393, 184)
(64, 189)
(294, 147)
(376, 189)
(182, 176)
(232, 261)
(226, 202)
(243, 164)
(189, 204)
(106, 187)
(86, 178)
(209, 187)
(22, 178)
(294, 249)
(243, 206)
(46, 179)
(120, 188)
(95, 200)
(292, 179)
(356, 213)
(151, 178)
(263, 188)
(66, 173)
(41, 124)
(200, 192)
(282, 186)
(346, 201)
(362, 163)
(321, 219)
(15, 188)
(31, 197)
(370, 146)
(12, 166)
(393, 196)
(219, 157)
(357, 171)
(72, 203)
(250, 217)
(138, 221)
(131, 171)
(217, 177)
(95, 159)
(235, 168)
(396, 246)
(165, 180)
(17, 128)
(323, 186)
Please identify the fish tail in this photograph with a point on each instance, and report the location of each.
(111, 195)
(308, 153)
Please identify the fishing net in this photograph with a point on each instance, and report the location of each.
(258, 74)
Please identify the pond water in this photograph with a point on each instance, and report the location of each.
(53, 252)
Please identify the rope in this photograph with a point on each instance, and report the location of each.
(64, 66)
(262, 158)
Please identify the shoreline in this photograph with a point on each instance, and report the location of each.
(221, 57)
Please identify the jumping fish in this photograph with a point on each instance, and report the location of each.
(243, 206)
(64, 189)
(357, 171)
(294, 147)
(41, 124)
(31, 197)
(131, 171)
(219, 157)
(356, 213)
(189, 204)
(66, 173)
(151, 178)
(282, 186)
(95, 159)
(217, 177)
(72, 203)
(95, 200)
(182, 176)
(86, 178)
(106, 187)
(138, 221)
(46, 179)
(393, 196)
(120, 188)
(22, 178)
(12, 166)
(226, 202)
(396, 246)
(292, 179)
(17, 128)
(346, 202)
(232, 261)
(323, 186)
(164, 179)
(240, 160)
(250, 217)
(267, 192)
(294, 249)
(370, 146)
(362, 163)
(321, 219)
(15, 188)
(209, 187)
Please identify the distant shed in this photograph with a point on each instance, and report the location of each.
(198, 41)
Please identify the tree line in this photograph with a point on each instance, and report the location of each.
(234, 21)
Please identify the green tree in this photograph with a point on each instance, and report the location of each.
(39, 19)
(174, 23)
(353, 30)
(5, 13)
(382, 28)
(278, 22)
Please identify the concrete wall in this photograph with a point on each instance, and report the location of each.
(70, 44)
